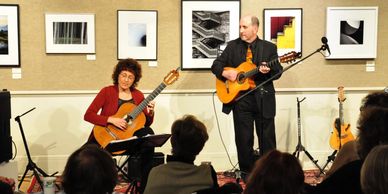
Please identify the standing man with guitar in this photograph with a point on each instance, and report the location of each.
(259, 107)
(110, 100)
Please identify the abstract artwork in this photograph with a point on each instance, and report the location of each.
(352, 32)
(70, 33)
(283, 27)
(207, 26)
(137, 34)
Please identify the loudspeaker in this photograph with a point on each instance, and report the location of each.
(5, 133)
(134, 164)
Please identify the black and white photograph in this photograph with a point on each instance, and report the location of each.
(352, 32)
(9, 36)
(70, 33)
(137, 34)
(207, 26)
(210, 33)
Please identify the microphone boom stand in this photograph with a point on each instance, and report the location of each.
(31, 165)
(322, 48)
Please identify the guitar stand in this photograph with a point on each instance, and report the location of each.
(299, 147)
(30, 165)
(329, 159)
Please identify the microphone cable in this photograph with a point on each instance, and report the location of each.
(219, 133)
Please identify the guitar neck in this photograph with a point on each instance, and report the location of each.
(256, 70)
(341, 113)
(147, 100)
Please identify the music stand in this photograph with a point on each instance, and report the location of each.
(30, 165)
(133, 147)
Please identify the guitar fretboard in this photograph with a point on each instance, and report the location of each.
(256, 70)
(145, 102)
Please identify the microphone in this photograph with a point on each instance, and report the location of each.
(324, 41)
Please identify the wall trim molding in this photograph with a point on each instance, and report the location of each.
(194, 91)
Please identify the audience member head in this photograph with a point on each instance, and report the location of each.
(373, 122)
(89, 170)
(374, 172)
(276, 173)
(5, 188)
(130, 65)
(188, 137)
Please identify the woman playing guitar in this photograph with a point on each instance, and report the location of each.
(122, 93)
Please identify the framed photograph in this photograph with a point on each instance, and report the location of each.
(352, 32)
(283, 27)
(70, 33)
(9, 36)
(207, 26)
(137, 34)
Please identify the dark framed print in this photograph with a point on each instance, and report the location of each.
(207, 26)
(9, 36)
(70, 33)
(352, 32)
(137, 34)
(283, 27)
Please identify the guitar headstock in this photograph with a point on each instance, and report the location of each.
(341, 94)
(289, 57)
(172, 76)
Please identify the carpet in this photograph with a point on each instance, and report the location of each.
(311, 177)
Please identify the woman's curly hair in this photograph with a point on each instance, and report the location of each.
(130, 65)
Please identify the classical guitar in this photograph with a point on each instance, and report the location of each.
(341, 133)
(132, 114)
(227, 90)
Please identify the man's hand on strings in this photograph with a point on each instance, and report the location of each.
(230, 74)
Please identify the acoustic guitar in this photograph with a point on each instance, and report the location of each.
(227, 90)
(132, 114)
(341, 133)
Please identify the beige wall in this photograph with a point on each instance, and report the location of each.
(41, 71)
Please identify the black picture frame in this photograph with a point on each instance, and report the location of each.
(137, 34)
(9, 35)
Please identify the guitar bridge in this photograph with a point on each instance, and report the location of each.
(111, 134)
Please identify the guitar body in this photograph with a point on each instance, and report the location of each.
(346, 135)
(341, 133)
(104, 135)
(228, 90)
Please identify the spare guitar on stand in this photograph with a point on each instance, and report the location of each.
(341, 133)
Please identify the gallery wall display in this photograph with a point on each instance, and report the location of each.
(283, 27)
(352, 32)
(137, 34)
(207, 26)
(9, 35)
(70, 33)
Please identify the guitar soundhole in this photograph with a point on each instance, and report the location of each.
(240, 78)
